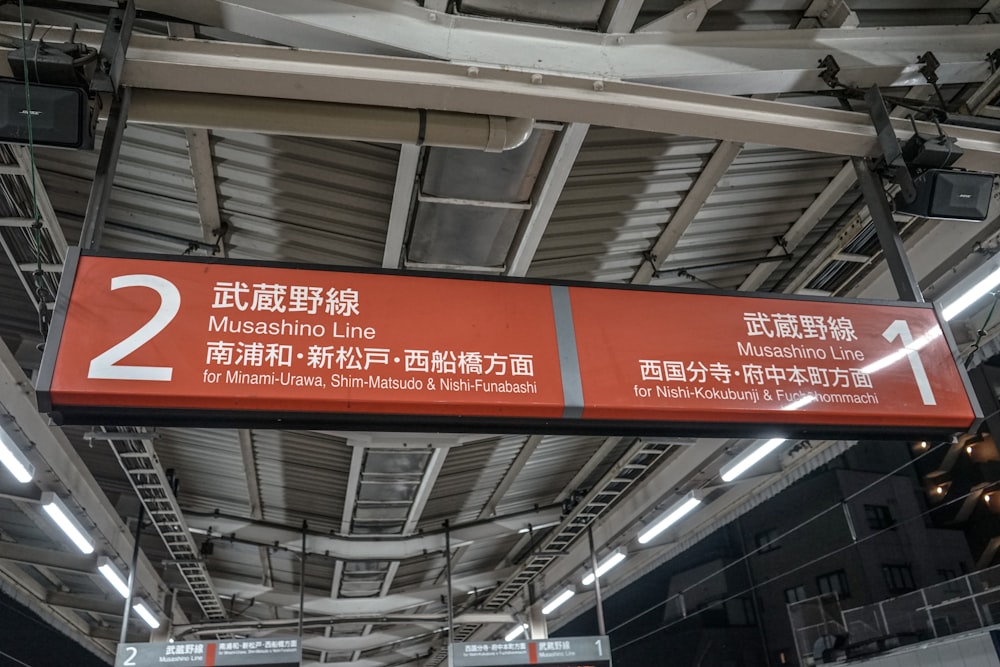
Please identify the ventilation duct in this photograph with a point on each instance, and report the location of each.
(470, 205)
(323, 120)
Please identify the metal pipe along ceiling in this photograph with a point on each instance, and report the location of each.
(329, 120)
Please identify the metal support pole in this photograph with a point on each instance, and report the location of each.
(597, 582)
(754, 597)
(131, 577)
(888, 235)
(302, 581)
(451, 609)
(537, 627)
(104, 175)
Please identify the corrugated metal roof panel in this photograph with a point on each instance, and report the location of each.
(303, 475)
(209, 466)
(469, 477)
(330, 199)
(552, 466)
(620, 193)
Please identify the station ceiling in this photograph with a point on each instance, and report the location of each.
(637, 142)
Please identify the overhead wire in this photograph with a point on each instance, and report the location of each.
(10, 657)
(782, 575)
(41, 292)
(785, 534)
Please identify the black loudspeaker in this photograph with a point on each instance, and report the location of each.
(61, 116)
(950, 195)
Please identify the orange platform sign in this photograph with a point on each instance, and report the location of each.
(151, 340)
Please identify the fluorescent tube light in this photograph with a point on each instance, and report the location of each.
(532, 528)
(558, 601)
(62, 517)
(516, 632)
(145, 614)
(670, 517)
(12, 459)
(736, 468)
(971, 295)
(605, 566)
(113, 575)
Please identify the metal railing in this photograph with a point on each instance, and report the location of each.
(958, 605)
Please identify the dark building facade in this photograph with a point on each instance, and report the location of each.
(858, 529)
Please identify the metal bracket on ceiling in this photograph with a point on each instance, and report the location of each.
(891, 161)
(107, 78)
(929, 65)
(831, 70)
(993, 57)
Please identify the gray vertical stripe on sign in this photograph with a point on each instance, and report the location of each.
(569, 362)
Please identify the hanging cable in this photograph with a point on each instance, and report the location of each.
(803, 524)
(41, 292)
(981, 332)
(784, 574)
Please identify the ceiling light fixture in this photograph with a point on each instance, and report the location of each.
(971, 295)
(14, 460)
(737, 467)
(114, 576)
(558, 601)
(63, 518)
(605, 566)
(146, 615)
(676, 512)
(516, 632)
(530, 528)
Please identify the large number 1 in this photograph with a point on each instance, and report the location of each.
(900, 329)
(105, 365)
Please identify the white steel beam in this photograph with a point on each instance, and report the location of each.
(346, 517)
(724, 155)
(620, 15)
(734, 62)
(805, 223)
(359, 548)
(711, 61)
(391, 82)
(202, 167)
(273, 72)
(203, 171)
(509, 477)
(402, 198)
(560, 165)
(434, 466)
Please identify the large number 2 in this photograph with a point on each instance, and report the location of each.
(130, 659)
(105, 365)
(900, 329)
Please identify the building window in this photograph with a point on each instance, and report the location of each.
(795, 594)
(898, 578)
(766, 540)
(834, 582)
(879, 517)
